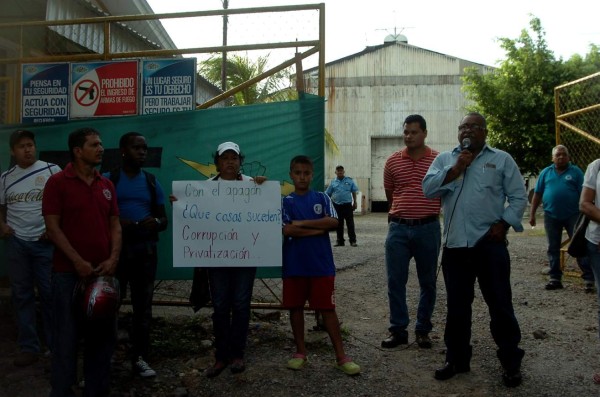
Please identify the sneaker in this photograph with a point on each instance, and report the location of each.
(339, 244)
(589, 287)
(554, 284)
(354, 244)
(141, 368)
(348, 367)
(297, 362)
(25, 359)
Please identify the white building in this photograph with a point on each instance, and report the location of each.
(368, 96)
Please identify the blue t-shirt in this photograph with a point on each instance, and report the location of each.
(133, 196)
(560, 192)
(307, 256)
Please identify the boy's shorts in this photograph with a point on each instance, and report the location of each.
(319, 291)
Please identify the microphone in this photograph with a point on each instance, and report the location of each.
(466, 143)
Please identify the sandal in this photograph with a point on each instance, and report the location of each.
(297, 362)
(596, 378)
(347, 366)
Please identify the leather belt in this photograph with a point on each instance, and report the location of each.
(415, 222)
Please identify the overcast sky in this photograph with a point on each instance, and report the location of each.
(466, 29)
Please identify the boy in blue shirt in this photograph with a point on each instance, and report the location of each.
(308, 268)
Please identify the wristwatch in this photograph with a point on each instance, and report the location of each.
(158, 222)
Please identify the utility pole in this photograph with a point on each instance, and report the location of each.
(224, 60)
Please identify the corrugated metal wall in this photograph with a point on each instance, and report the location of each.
(369, 96)
(124, 38)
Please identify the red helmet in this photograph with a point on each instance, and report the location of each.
(101, 298)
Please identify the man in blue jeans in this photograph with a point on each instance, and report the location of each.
(28, 250)
(558, 188)
(82, 220)
(414, 232)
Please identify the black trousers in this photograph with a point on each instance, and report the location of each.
(345, 214)
(488, 263)
(137, 268)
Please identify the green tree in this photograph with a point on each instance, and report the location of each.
(518, 97)
(241, 69)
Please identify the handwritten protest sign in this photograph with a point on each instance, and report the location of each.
(226, 224)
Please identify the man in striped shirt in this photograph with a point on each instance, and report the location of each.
(414, 232)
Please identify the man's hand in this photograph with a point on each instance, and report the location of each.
(84, 269)
(106, 268)
(6, 231)
(149, 223)
(497, 232)
(465, 158)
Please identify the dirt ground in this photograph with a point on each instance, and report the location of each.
(559, 363)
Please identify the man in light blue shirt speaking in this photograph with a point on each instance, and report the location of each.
(483, 195)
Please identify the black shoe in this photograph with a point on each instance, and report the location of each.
(354, 244)
(554, 284)
(215, 370)
(449, 370)
(339, 244)
(512, 378)
(237, 366)
(423, 340)
(394, 340)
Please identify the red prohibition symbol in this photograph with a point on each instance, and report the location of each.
(87, 92)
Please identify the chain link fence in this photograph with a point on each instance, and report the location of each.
(577, 108)
(577, 111)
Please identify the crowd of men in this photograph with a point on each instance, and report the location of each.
(65, 228)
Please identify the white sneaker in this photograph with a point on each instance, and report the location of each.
(546, 270)
(142, 368)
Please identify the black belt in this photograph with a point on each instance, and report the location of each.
(415, 222)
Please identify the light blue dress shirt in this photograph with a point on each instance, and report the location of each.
(491, 189)
(341, 191)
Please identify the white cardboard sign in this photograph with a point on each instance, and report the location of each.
(226, 224)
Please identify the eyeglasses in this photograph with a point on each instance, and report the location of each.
(472, 127)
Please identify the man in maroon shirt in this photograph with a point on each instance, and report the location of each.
(82, 219)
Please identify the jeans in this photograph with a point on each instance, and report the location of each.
(100, 339)
(404, 242)
(345, 213)
(554, 228)
(231, 292)
(488, 263)
(30, 265)
(137, 267)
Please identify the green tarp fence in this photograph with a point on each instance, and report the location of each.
(182, 147)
